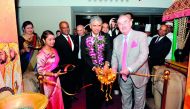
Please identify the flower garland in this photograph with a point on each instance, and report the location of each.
(95, 49)
(182, 38)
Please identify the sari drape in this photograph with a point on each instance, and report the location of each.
(46, 62)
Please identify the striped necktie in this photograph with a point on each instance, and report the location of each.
(157, 39)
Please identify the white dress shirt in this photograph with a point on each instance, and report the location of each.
(71, 41)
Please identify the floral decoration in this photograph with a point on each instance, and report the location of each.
(95, 47)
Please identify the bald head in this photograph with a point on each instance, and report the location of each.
(80, 30)
(163, 30)
(125, 23)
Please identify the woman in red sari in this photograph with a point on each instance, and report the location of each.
(47, 61)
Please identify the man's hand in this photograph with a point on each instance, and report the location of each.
(58, 73)
(106, 68)
(96, 69)
(26, 47)
(125, 72)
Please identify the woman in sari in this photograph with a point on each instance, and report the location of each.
(27, 44)
(47, 61)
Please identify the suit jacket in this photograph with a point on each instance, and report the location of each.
(66, 55)
(90, 75)
(137, 54)
(77, 44)
(85, 55)
(159, 50)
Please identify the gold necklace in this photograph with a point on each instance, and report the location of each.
(28, 38)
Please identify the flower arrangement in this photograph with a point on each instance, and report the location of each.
(106, 78)
(95, 49)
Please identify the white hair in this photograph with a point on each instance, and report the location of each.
(95, 18)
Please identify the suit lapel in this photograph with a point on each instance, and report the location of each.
(129, 42)
(64, 38)
(120, 45)
(66, 42)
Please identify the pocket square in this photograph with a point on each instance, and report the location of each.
(134, 44)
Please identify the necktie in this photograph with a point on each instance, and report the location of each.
(157, 40)
(69, 41)
(79, 53)
(124, 57)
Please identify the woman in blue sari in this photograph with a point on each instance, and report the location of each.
(27, 44)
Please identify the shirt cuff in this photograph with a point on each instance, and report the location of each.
(93, 68)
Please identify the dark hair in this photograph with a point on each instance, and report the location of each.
(45, 35)
(26, 23)
(128, 13)
(58, 31)
(114, 20)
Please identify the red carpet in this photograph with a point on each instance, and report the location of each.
(81, 102)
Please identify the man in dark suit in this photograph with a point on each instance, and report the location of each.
(80, 62)
(96, 53)
(159, 48)
(105, 28)
(78, 38)
(114, 31)
(65, 46)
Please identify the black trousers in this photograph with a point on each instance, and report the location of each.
(69, 84)
(80, 73)
(94, 96)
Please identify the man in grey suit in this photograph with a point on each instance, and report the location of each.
(131, 59)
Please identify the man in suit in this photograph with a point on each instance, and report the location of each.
(96, 53)
(131, 59)
(170, 36)
(113, 28)
(159, 48)
(114, 31)
(66, 48)
(105, 28)
(80, 34)
(80, 62)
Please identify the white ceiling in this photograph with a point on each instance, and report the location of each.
(140, 7)
(117, 10)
